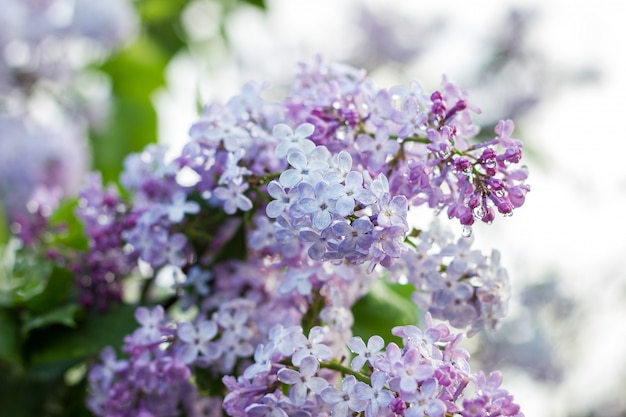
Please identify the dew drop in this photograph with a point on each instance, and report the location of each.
(479, 212)
(490, 163)
(341, 133)
(466, 231)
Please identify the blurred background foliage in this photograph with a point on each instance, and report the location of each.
(137, 72)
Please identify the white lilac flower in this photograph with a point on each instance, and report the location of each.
(303, 169)
(290, 140)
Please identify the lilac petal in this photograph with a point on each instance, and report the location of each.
(356, 344)
(207, 330)
(282, 131)
(321, 220)
(288, 376)
(211, 351)
(244, 203)
(345, 206)
(344, 161)
(290, 177)
(298, 393)
(142, 315)
(187, 332)
(308, 205)
(331, 395)
(274, 209)
(358, 362)
(297, 160)
(375, 343)
(188, 353)
(305, 130)
(275, 190)
(317, 384)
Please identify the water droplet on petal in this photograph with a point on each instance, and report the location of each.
(341, 133)
(479, 212)
(466, 231)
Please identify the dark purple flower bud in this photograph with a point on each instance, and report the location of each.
(398, 406)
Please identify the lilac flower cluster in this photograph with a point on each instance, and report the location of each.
(277, 219)
(152, 381)
(428, 376)
(295, 374)
(453, 281)
(99, 271)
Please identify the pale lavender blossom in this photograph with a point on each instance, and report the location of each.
(304, 380)
(290, 140)
(311, 346)
(376, 395)
(345, 400)
(196, 340)
(365, 354)
(233, 197)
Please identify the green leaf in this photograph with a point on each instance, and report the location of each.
(4, 227)
(382, 308)
(73, 233)
(258, 3)
(88, 338)
(58, 285)
(63, 315)
(135, 73)
(25, 281)
(9, 336)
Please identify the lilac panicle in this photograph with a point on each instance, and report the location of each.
(279, 217)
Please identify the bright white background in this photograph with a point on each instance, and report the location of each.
(573, 224)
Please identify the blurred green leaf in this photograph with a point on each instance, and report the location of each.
(58, 285)
(137, 70)
(73, 233)
(258, 3)
(88, 338)
(136, 73)
(26, 280)
(63, 315)
(161, 20)
(9, 336)
(4, 227)
(383, 307)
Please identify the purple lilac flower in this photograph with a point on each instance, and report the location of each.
(197, 340)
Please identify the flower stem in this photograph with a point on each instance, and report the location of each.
(336, 366)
